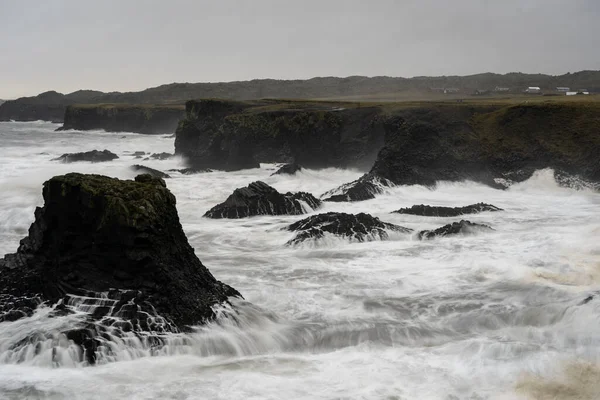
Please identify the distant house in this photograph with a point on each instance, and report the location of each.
(501, 89)
(533, 89)
(451, 90)
(563, 89)
(580, 91)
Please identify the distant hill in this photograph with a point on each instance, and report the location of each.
(51, 105)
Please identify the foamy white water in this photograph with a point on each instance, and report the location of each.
(495, 315)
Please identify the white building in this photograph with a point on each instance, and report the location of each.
(533, 89)
(563, 89)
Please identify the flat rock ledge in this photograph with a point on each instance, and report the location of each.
(91, 156)
(435, 211)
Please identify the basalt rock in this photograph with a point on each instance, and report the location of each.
(161, 156)
(360, 227)
(364, 188)
(288, 169)
(118, 244)
(147, 170)
(191, 171)
(92, 156)
(433, 211)
(456, 228)
(258, 198)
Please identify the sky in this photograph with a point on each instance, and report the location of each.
(125, 45)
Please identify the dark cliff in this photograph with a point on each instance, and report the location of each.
(148, 119)
(232, 135)
(487, 143)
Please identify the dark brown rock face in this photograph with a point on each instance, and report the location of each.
(433, 211)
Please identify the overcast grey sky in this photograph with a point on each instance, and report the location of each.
(123, 45)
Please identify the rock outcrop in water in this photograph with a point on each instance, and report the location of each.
(142, 169)
(364, 188)
(288, 169)
(456, 228)
(230, 135)
(114, 243)
(360, 227)
(258, 198)
(144, 118)
(433, 211)
(91, 156)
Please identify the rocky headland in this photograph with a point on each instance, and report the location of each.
(144, 118)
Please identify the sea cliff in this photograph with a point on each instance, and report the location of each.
(147, 119)
(233, 135)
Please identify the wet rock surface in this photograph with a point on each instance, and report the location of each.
(456, 228)
(364, 188)
(191, 171)
(91, 156)
(114, 248)
(142, 169)
(360, 227)
(435, 211)
(258, 198)
(288, 169)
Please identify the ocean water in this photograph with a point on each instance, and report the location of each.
(496, 315)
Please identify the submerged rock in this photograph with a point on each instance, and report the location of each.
(456, 228)
(288, 169)
(116, 244)
(258, 198)
(92, 156)
(147, 170)
(361, 227)
(365, 188)
(161, 156)
(434, 211)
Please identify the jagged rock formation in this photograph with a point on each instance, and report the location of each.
(456, 228)
(364, 188)
(92, 156)
(288, 169)
(230, 135)
(360, 227)
(161, 156)
(147, 119)
(258, 198)
(433, 211)
(147, 170)
(116, 240)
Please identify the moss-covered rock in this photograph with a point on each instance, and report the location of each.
(99, 236)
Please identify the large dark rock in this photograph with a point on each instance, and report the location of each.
(456, 228)
(433, 211)
(147, 170)
(361, 227)
(191, 171)
(233, 135)
(364, 188)
(288, 169)
(258, 198)
(115, 240)
(489, 144)
(92, 156)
